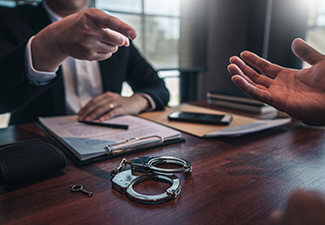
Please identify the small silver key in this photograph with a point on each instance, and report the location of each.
(79, 187)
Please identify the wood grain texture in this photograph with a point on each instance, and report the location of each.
(238, 180)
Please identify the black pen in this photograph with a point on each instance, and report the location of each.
(110, 125)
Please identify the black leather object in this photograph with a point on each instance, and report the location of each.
(28, 160)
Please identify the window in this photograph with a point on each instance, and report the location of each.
(158, 25)
(13, 3)
(316, 26)
(8, 3)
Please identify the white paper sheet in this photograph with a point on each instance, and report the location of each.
(87, 141)
(249, 128)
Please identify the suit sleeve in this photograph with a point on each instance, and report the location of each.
(15, 90)
(143, 78)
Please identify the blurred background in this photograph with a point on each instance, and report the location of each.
(189, 42)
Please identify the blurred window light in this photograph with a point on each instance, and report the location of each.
(8, 3)
(172, 79)
(126, 90)
(130, 6)
(321, 6)
(4, 120)
(316, 26)
(13, 3)
(158, 26)
(166, 7)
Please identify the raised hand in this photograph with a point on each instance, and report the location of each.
(89, 35)
(300, 93)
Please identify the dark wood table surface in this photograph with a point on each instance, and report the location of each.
(238, 180)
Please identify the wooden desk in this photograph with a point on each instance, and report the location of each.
(234, 181)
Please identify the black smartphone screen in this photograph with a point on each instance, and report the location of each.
(200, 118)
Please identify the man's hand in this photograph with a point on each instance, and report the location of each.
(89, 35)
(109, 104)
(300, 93)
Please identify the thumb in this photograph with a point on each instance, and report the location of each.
(306, 52)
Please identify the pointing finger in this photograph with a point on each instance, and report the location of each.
(103, 19)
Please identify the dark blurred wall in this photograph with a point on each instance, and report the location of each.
(193, 34)
(214, 30)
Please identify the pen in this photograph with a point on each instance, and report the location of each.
(110, 125)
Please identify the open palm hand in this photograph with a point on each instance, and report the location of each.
(300, 93)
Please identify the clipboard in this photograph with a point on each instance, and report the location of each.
(111, 150)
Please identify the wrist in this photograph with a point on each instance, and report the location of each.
(46, 55)
(141, 101)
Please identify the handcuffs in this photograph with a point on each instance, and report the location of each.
(145, 168)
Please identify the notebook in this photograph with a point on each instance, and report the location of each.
(239, 101)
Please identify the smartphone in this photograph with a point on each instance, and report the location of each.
(215, 119)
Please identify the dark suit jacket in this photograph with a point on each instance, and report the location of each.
(26, 101)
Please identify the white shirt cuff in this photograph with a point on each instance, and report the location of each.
(36, 77)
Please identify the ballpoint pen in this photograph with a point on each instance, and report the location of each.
(110, 125)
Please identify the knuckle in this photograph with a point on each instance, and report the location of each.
(108, 94)
(102, 109)
(89, 12)
(114, 49)
(266, 67)
(110, 49)
(86, 51)
(120, 40)
(109, 55)
(114, 96)
(113, 113)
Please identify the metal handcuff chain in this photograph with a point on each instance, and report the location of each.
(145, 168)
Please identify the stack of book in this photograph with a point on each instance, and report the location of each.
(238, 101)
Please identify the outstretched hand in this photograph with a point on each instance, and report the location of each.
(300, 93)
(88, 35)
